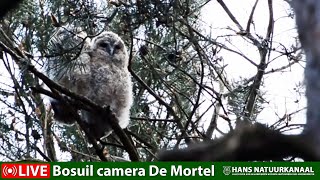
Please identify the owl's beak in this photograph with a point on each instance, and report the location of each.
(110, 50)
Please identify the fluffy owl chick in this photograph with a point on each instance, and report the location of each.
(102, 77)
(110, 81)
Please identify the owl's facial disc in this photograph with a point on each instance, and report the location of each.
(110, 47)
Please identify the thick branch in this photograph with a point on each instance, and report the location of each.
(308, 23)
(246, 143)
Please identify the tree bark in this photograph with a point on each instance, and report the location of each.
(308, 24)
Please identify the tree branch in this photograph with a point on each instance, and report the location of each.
(246, 143)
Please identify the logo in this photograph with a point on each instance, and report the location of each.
(226, 170)
(9, 171)
(15, 170)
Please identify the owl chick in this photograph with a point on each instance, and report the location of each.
(110, 81)
(100, 73)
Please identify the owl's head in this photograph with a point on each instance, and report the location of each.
(109, 47)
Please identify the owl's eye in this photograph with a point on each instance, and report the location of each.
(117, 47)
(104, 45)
